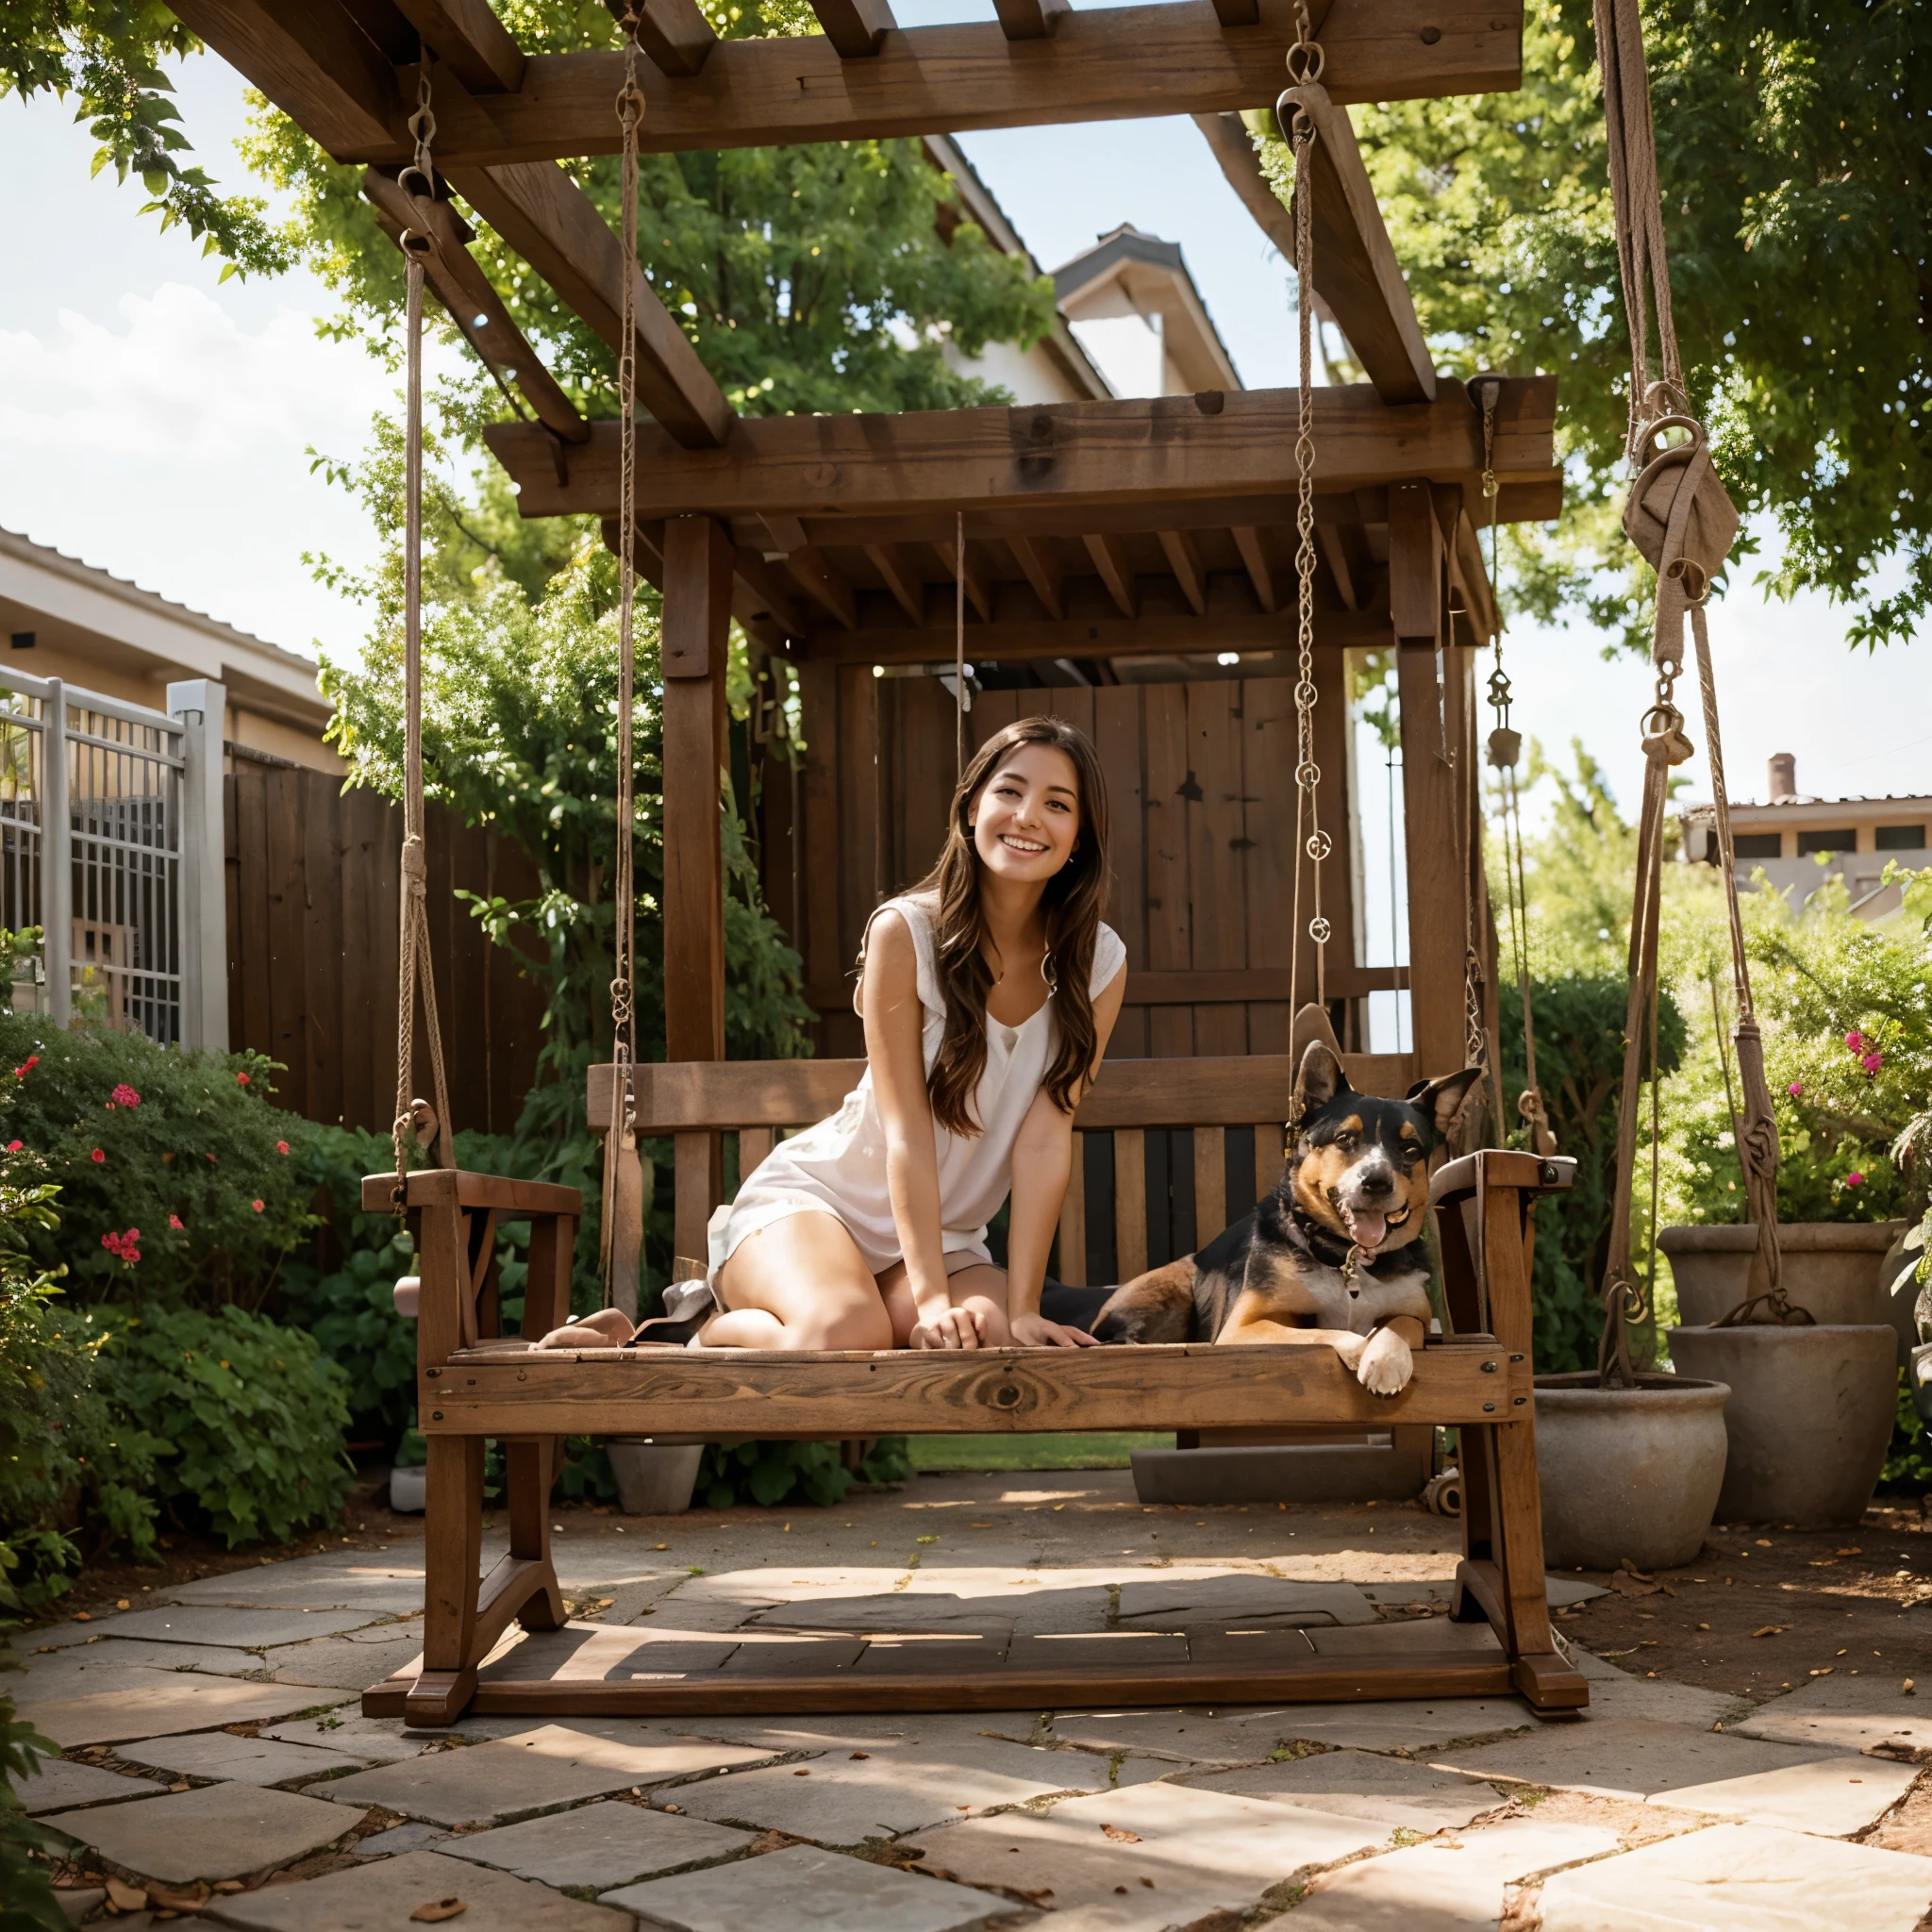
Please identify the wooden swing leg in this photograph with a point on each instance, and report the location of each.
(452, 1548)
(532, 1468)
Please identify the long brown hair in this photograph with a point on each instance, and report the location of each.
(1075, 898)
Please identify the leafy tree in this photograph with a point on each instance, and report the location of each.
(108, 54)
(1792, 147)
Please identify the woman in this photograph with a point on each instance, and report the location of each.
(989, 994)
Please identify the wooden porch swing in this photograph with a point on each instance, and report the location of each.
(1292, 522)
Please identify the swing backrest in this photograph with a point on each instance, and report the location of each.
(695, 1103)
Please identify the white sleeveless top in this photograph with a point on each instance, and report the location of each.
(839, 1166)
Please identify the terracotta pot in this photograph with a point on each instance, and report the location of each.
(1830, 1267)
(1627, 1472)
(1809, 1417)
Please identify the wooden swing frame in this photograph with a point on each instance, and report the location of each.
(1133, 527)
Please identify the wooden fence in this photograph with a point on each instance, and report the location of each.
(312, 877)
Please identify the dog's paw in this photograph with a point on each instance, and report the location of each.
(1350, 1348)
(1386, 1363)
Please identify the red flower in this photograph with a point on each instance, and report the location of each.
(124, 1095)
(124, 1247)
(257, 1206)
(20, 1072)
(98, 1154)
(175, 1222)
(241, 1079)
(281, 1146)
(14, 1147)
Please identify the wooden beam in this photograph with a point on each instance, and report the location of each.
(1030, 19)
(824, 583)
(469, 40)
(1116, 570)
(978, 590)
(314, 63)
(1241, 12)
(1102, 64)
(898, 564)
(553, 225)
(1174, 633)
(1247, 539)
(474, 305)
(855, 27)
(1432, 838)
(1415, 567)
(1184, 558)
(1041, 567)
(1355, 270)
(769, 610)
(937, 463)
(675, 36)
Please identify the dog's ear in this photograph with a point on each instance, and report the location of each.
(1440, 1101)
(1320, 1079)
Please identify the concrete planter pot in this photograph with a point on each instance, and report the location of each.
(1830, 1267)
(1809, 1420)
(654, 1479)
(1627, 1472)
(409, 1491)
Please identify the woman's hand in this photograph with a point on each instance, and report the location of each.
(948, 1329)
(1036, 1331)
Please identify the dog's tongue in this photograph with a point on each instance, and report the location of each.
(1366, 1229)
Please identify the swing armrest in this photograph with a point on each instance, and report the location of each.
(512, 1199)
(1503, 1166)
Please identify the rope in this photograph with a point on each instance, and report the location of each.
(622, 1125)
(959, 702)
(1304, 64)
(413, 967)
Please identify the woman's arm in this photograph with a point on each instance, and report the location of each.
(1043, 1160)
(888, 1000)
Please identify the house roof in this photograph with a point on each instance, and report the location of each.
(1127, 254)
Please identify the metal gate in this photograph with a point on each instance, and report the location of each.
(103, 846)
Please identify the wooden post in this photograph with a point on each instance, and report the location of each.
(697, 617)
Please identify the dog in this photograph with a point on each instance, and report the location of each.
(1330, 1257)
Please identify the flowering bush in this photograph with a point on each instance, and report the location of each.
(176, 1175)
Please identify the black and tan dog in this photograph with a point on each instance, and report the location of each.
(1330, 1257)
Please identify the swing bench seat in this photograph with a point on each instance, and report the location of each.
(474, 1384)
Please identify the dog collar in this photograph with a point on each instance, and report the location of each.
(1326, 1247)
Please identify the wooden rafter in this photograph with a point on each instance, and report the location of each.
(1030, 19)
(1041, 567)
(1158, 449)
(1184, 558)
(855, 27)
(469, 40)
(1116, 570)
(898, 567)
(1247, 539)
(1102, 63)
(978, 587)
(824, 583)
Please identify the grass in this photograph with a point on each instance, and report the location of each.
(1032, 1451)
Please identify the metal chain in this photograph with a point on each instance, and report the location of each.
(630, 113)
(1304, 64)
(413, 1118)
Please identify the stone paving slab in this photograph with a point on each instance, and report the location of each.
(1389, 1791)
(242, 1629)
(381, 1895)
(1847, 1713)
(1199, 1852)
(598, 1846)
(246, 1760)
(1456, 1884)
(514, 1777)
(102, 1655)
(343, 1663)
(1246, 1737)
(1621, 1758)
(1830, 1797)
(349, 1579)
(61, 1786)
(1162, 1603)
(1738, 1878)
(844, 1799)
(413, 1837)
(367, 1740)
(1616, 1693)
(216, 1831)
(802, 1885)
(175, 1702)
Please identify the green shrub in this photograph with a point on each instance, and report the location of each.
(27, 1901)
(252, 1416)
(178, 1179)
(1580, 1053)
(771, 1472)
(72, 1472)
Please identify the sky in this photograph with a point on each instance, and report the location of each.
(159, 423)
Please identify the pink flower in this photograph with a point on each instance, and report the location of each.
(1872, 1062)
(1796, 1090)
(175, 1222)
(257, 1206)
(20, 1072)
(124, 1095)
(98, 1156)
(281, 1146)
(124, 1247)
(1855, 1040)
(241, 1079)
(14, 1147)
(1855, 1179)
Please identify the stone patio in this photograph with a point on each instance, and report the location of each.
(213, 1738)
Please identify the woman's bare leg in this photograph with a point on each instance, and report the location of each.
(981, 1288)
(799, 1283)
